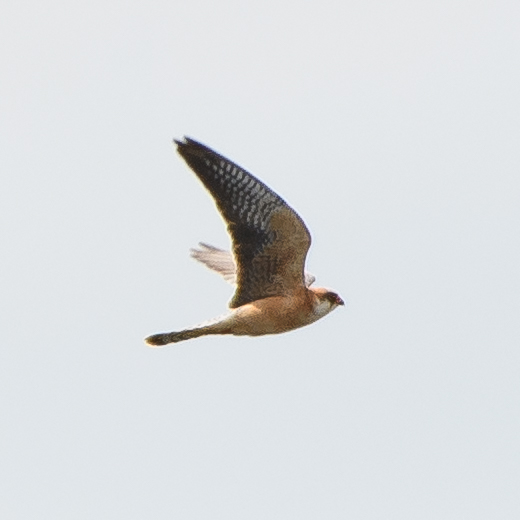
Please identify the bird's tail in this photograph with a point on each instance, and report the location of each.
(159, 340)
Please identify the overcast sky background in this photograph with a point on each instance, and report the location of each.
(393, 128)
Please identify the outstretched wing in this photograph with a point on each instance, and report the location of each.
(218, 260)
(223, 263)
(270, 240)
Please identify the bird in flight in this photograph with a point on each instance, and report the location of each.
(270, 242)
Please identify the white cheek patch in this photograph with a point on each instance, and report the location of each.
(323, 308)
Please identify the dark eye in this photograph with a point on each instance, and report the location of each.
(334, 298)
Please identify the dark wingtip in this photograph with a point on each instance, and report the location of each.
(187, 141)
(190, 147)
(181, 143)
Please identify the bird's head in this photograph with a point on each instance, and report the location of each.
(333, 298)
(327, 300)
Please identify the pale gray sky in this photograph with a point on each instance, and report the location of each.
(393, 128)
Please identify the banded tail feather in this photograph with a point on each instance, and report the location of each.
(165, 338)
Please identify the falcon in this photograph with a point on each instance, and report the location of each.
(269, 241)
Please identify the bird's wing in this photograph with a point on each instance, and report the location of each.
(309, 279)
(223, 263)
(218, 260)
(270, 240)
